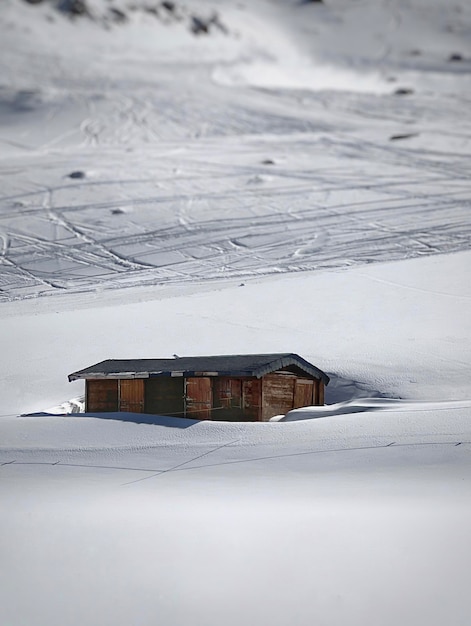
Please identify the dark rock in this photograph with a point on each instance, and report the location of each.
(403, 136)
(33, 1)
(403, 91)
(268, 162)
(455, 57)
(117, 211)
(169, 6)
(77, 174)
(118, 15)
(74, 7)
(199, 26)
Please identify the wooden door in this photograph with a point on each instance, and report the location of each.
(251, 400)
(198, 398)
(131, 395)
(227, 399)
(101, 396)
(303, 390)
(318, 392)
(164, 396)
(278, 394)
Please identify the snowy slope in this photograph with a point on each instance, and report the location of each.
(296, 179)
(332, 519)
(142, 160)
(400, 329)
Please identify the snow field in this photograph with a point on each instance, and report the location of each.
(299, 183)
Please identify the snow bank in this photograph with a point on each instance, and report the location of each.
(364, 405)
(114, 521)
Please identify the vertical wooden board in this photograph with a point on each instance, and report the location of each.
(251, 400)
(164, 396)
(303, 389)
(236, 393)
(131, 395)
(227, 399)
(222, 393)
(101, 396)
(321, 393)
(198, 398)
(278, 394)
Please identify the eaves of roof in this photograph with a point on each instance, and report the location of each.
(256, 365)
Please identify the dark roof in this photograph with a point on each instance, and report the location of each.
(256, 365)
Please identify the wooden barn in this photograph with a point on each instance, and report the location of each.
(248, 387)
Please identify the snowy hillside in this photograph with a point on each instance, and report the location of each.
(139, 153)
(216, 177)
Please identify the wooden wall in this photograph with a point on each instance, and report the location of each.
(283, 391)
(204, 397)
(252, 400)
(101, 396)
(227, 399)
(104, 396)
(164, 395)
(131, 395)
(198, 398)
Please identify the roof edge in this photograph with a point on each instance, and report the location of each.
(280, 360)
(293, 359)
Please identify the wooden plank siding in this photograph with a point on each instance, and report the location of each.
(206, 397)
(101, 396)
(283, 391)
(131, 395)
(165, 396)
(198, 398)
(303, 392)
(251, 400)
(227, 399)
(277, 394)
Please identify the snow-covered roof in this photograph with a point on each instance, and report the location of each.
(256, 365)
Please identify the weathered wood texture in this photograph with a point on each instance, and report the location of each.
(131, 395)
(277, 394)
(252, 400)
(227, 399)
(101, 396)
(283, 391)
(164, 396)
(198, 397)
(303, 392)
(205, 397)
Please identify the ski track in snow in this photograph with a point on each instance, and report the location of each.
(390, 204)
(299, 179)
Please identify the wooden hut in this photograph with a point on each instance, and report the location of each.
(248, 387)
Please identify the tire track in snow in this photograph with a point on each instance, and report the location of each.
(205, 221)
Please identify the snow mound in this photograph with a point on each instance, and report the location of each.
(364, 405)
